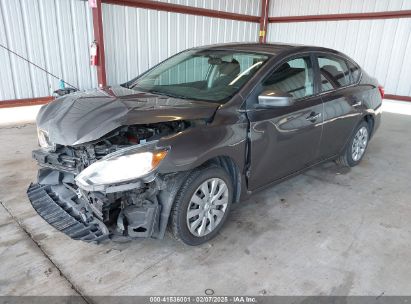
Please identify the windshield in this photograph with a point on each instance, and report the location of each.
(201, 75)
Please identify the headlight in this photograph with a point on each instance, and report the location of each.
(44, 141)
(118, 167)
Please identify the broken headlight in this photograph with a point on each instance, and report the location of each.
(121, 166)
(44, 141)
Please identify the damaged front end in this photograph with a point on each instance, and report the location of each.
(108, 188)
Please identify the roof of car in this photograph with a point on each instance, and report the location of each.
(269, 48)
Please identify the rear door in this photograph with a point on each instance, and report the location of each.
(285, 139)
(342, 104)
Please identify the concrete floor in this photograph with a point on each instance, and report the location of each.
(329, 231)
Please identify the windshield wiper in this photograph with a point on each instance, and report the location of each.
(125, 85)
(167, 94)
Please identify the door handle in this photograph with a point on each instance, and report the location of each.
(357, 104)
(313, 116)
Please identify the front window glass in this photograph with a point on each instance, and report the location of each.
(334, 73)
(201, 75)
(294, 77)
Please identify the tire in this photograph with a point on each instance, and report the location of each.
(353, 153)
(202, 211)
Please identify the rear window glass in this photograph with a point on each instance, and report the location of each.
(355, 72)
(334, 73)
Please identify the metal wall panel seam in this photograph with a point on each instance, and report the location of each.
(75, 45)
(87, 71)
(26, 46)
(391, 47)
(138, 46)
(400, 44)
(369, 35)
(406, 67)
(127, 29)
(406, 60)
(45, 50)
(149, 32)
(59, 42)
(6, 33)
(8, 55)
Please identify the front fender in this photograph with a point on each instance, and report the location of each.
(194, 146)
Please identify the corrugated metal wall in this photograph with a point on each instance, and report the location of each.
(54, 34)
(381, 47)
(136, 39)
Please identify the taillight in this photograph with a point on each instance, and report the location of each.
(381, 89)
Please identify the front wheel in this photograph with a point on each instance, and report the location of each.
(202, 205)
(355, 149)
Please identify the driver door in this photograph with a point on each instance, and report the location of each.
(285, 139)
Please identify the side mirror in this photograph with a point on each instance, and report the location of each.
(273, 99)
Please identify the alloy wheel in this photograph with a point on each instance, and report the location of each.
(359, 144)
(207, 207)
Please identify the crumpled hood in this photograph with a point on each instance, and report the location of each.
(86, 116)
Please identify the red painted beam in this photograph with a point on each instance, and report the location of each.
(339, 17)
(25, 102)
(183, 9)
(99, 38)
(264, 21)
(397, 97)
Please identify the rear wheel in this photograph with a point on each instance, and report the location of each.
(355, 149)
(202, 205)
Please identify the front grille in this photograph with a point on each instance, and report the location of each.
(57, 214)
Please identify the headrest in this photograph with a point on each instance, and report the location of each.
(230, 68)
(331, 70)
(283, 67)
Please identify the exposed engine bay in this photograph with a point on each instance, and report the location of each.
(74, 159)
(122, 210)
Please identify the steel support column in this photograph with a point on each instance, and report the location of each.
(99, 38)
(264, 21)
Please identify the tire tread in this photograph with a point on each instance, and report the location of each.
(176, 210)
(344, 159)
(181, 200)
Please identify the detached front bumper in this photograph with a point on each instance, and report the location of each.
(138, 209)
(96, 216)
(63, 216)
